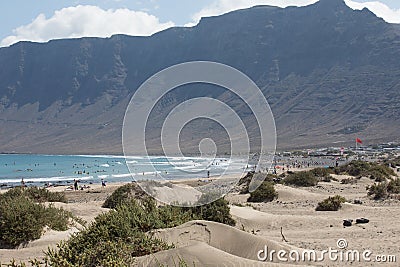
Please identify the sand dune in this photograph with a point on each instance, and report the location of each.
(287, 193)
(200, 254)
(258, 225)
(253, 220)
(306, 228)
(176, 194)
(36, 248)
(205, 243)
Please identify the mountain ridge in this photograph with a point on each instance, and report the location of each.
(328, 72)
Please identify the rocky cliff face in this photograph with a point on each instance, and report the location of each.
(329, 73)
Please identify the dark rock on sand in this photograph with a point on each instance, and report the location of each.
(348, 222)
(362, 220)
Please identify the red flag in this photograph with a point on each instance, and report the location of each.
(358, 140)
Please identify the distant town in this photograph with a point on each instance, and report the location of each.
(364, 150)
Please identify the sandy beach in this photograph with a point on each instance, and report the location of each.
(258, 225)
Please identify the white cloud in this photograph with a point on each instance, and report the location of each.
(381, 10)
(86, 21)
(219, 7)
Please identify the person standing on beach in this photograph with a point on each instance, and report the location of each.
(103, 183)
(75, 184)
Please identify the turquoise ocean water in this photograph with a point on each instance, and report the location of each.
(63, 169)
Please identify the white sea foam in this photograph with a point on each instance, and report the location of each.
(99, 156)
(184, 167)
(191, 163)
(46, 179)
(121, 175)
(146, 173)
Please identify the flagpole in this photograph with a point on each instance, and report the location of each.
(358, 154)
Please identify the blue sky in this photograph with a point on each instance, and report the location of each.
(36, 20)
(178, 11)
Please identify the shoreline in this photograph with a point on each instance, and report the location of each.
(183, 181)
(44, 170)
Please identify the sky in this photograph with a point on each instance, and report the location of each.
(43, 20)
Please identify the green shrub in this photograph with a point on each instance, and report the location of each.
(172, 216)
(331, 203)
(394, 162)
(114, 238)
(393, 186)
(380, 172)
(309, 178)
(373, 170)
(354, 168)
(43, 195)
(56, 218)
(264, 193)
(36, 194)
(349, 181)
(217, 211)
(304, 178)
(103, 253)
(121, 234)
(322, 173)
(378, 190)
(383, 190)
(123, 195)
(245, 181)
(22, 220)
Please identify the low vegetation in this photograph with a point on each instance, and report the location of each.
(123, 195)
(351, 180)
(378, 172)
(264, 193)
(304, 178)
(23, 220)
(244, 183)
(323, 174)
(121, 234)
(385, 189)
(115, 237)
(331, 203)
(393, 186)
(378, 190)
(217, 211)
(394, 162)
(35, 194)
